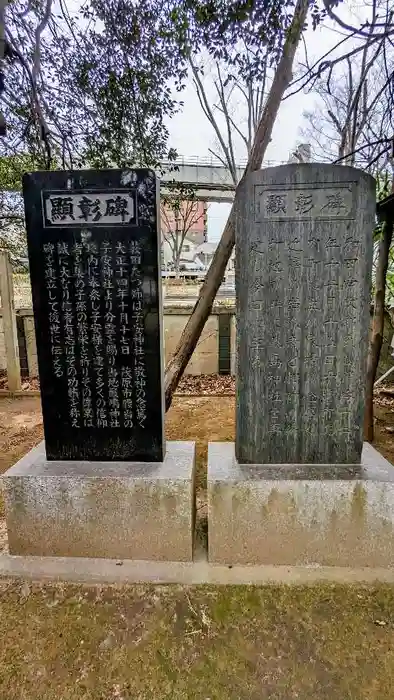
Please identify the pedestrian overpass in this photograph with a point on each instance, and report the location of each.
(212, 181)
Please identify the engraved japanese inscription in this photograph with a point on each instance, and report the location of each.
(303, 285)
(96, 301)
(333, 201)
(103, 208)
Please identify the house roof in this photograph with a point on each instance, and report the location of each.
(206, 248)
(188, 257)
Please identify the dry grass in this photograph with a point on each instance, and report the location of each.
(179, 643)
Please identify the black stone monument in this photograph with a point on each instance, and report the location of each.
(94, 252)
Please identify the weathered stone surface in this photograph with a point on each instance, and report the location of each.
(121, 510)
(304, 256)
(295, 514)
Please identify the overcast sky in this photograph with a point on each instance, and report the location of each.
(192, 135)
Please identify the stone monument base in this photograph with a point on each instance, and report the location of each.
(120, 510)
(306, 515)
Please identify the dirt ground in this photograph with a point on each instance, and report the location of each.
(190, 418)
(200, 418)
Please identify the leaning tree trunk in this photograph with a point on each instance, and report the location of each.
(215, 274)
(376, 338)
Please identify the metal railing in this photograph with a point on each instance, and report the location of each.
(210, 161)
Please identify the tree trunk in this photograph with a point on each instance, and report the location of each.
(176, 256)
(215, 274)
(376, 338)
(176, 267)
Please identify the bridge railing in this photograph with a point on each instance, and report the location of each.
(209, 161)
(212, 162)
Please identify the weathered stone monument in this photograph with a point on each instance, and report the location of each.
(299, 486)
(304, 262)
(103, 484)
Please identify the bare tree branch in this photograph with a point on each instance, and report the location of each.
(209, 113)
(357, 101)
(359, 31)
(35, 101)
(37, 41)
(214, 276)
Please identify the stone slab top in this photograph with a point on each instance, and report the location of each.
(223, 466)
(177, 466)
(99, 571)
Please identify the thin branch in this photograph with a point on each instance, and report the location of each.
(361, 148)
(328, 4)
(210, 116)
(233, 124)
(219, 157)
(37, 41)
(228, 125)
(45, 131)
(322, 66)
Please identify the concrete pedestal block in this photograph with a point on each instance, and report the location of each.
(121, 510)
(328, 515)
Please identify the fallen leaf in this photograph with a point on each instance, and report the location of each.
(207, 385)
(25, 592)
(108, 642)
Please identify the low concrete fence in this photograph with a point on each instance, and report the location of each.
(215, 352)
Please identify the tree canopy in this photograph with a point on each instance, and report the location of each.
(97, 87)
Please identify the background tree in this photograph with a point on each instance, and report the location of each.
(88, 91)
(75, 97)
(353, 116)
(353, 121)
(376, 336)
(179, 216)
(281, 80)
(238, 103)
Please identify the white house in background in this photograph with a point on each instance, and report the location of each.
(196, 256)
(188, 252)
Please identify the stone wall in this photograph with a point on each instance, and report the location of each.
(205, 359)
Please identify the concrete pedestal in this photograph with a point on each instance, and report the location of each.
(121, 510)
(328, 515)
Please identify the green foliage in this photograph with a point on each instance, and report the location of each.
(221, 26)
(383, 190)
(12, 168)
(110, 79)
(127, 69)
